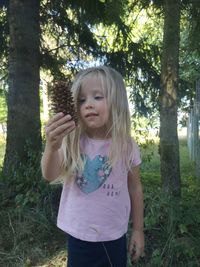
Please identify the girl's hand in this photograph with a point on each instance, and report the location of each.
(136, 245)
(56, 129)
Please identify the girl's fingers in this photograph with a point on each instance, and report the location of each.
(56, 123)
(55, 118)
(136, 253)
(57, 128)
(59, 118)
(67, 127)
(70, 129)
(54, 139)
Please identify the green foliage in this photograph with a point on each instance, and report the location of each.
(2, 149)
(67, 32)
(4, 30)
(25, 187)
(193, 9)
(25, 237)
(3, 107)
(28, 208)
(171, 230)
(171, 224)
(119, 33)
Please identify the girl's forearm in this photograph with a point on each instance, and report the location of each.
(51, 164)
(137, 207)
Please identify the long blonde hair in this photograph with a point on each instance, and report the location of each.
(119, 121)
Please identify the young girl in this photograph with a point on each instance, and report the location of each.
(99, 162)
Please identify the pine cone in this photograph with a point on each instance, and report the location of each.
(62, 99)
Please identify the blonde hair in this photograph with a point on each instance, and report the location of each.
(119, 121)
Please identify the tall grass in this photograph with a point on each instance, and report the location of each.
(28, 208)
(171, 225)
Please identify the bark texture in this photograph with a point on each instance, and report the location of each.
(169, 144)
(23, 123)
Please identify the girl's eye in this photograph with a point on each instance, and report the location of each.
(98, 97)
(81, 101)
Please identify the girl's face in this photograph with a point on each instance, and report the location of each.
(93, 107)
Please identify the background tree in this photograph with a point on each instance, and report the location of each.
(23, 123)
(169, 145)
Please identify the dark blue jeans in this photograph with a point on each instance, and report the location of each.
(97, 254)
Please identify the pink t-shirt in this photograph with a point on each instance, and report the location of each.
(96, 205)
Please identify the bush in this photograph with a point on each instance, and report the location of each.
(28, 209)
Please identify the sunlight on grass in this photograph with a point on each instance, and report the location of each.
(151, 158)
(2, 148)
(59, 260)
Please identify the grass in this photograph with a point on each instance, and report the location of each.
(29, 237)
(171, 225)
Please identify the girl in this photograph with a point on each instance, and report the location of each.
(99, 162)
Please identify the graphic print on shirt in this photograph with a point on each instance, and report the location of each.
(96, 172)
(110, 190)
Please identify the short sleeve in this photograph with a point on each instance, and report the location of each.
(135, 158)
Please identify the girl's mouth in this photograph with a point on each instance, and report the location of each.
(91, 115)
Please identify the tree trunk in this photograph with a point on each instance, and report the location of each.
(169, 144)
(23, 122)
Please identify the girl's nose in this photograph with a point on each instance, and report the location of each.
(89, 103)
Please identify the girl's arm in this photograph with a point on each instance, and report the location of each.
(56, 129)
(136, 245)
(51, 163)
